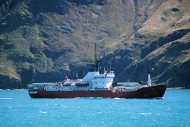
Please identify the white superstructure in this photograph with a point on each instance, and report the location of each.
(92, 81)
(100, 81)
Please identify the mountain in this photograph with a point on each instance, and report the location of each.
(45, 40)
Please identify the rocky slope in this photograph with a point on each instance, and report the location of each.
(42, 41)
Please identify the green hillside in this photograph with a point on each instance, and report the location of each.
(45, 40)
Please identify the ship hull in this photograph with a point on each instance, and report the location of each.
(146, 92)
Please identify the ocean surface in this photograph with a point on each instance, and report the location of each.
(17, 109)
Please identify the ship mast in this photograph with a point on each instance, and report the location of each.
(96, 59)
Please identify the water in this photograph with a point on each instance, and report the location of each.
(17, 109)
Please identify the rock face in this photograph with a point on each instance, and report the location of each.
(43, 41)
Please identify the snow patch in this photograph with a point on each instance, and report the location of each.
(98, 7)
(95, 15)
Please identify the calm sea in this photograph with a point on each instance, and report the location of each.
(17, 109)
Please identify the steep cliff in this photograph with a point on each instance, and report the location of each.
(42, 41)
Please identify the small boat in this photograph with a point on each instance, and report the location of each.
(95, 84)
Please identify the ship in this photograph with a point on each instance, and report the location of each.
(96, 84)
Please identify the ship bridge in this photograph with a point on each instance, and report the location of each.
(99, 81)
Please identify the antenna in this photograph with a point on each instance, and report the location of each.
(110, 66)
(150, 70)
(96, 60)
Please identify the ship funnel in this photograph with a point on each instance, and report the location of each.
(149, 78)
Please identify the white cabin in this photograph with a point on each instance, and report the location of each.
(99, 81)
(94, 81)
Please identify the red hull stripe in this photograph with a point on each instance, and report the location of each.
(147, 92)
